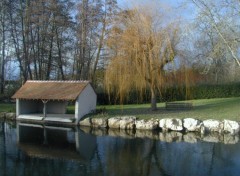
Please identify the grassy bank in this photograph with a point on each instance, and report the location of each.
(4, 107)
(219, 108)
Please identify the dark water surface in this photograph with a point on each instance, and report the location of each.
(27, 150)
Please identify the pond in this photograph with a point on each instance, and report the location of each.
(27, 149)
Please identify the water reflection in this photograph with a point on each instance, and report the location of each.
(38, 150)
(55, 142)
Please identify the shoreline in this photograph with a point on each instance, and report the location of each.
(165, 124)
(133, 123)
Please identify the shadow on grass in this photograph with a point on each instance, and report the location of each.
(206, 106)
(143, 111)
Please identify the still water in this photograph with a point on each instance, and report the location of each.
(36, 150)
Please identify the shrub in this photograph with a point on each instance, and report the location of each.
(178, 93)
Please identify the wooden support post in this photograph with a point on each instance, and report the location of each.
(44, 108)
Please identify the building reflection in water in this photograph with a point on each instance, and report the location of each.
(55, 142)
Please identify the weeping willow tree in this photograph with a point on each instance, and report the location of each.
(142, 44)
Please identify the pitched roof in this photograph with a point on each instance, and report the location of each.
(51, 90)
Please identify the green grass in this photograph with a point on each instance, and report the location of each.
(6, 107)
(219, 108)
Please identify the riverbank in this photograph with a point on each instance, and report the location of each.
(133, 123)
(165, 124)
(8, 116)
(167, 130)
(218, 109)
(211, 115)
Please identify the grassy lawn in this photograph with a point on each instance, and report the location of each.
(220, 108)
(4, 107)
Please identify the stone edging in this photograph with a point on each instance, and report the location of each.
(8, 115)
(167, 124)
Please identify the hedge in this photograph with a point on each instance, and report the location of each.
(177, 93)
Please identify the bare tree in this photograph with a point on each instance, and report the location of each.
(108, 13)
(211, 41)
(40, 32)
(3, 21)
(48, 43)
(87, 22)
(223, 18)
(94, 19)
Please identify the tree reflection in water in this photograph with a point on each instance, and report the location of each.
(24, 151)
(129, 156)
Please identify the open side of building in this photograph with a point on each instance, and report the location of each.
(47, 100)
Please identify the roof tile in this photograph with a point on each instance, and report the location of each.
(51, 90)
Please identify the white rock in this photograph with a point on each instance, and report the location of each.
(85, 122)
(162, 124)
(147, 124)
(202, 129)
(231, 127)
(127, 122)
(140, 124)
(2, 115)
(114, 122)
(99, 122)
(192, 124)
(171, 124)
(213, 125)
(10, 115)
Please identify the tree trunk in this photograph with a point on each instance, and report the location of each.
(49, 64)
(99, 50)
(60, 63)
(153, 99)
(16, 44)
(2, 62)
(35, 58)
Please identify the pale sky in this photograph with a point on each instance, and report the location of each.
(177, 7)
(123, 3)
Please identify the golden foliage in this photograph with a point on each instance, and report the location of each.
(141, 46)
